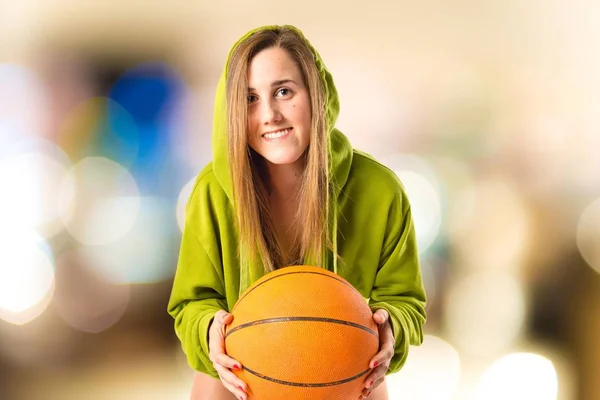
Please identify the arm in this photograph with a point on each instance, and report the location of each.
(198, 290)
(398, 286)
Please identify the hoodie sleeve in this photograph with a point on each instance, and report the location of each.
(398, 284)
(198, 291)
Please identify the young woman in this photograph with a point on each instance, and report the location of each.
(285, 187)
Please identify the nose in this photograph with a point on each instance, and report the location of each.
(270, 112)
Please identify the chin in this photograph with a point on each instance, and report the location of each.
(281, 159)
(277, 161)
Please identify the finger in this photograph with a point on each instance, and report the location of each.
(230, 378)
(223, 317)
(367, 391)
(375, 377)
(234, 388)
(216, 346)
(227, 319)
(216, 342)
(237, 392)
(383, 358)
(224, 360)
(380, 316)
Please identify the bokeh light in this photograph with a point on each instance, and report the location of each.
(144, 254)
(148, 91)
(588, 235)
(424, 193)
(456, 176)
(78, 131)
(519, 376)
(585, 162)
(425, 206)
(432, 372)
(29, 199)
(182, 200)
(99, 201)
(485, 312)
(26, 276)
(152, 94)
(85, 300)
(428, 273)
(117, 137)
(22, 105)
(489, 226)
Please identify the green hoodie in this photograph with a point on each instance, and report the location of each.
(372, 231)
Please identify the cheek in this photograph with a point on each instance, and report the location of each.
(302, 113)
(252, 123)
(251, 118)
(251, 132)
(307, 119)
(304, 119)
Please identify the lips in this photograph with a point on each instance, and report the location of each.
(277, 134)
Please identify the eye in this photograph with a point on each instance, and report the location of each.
(283, 92)
(251, 98)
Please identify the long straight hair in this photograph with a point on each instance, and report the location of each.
(257, 236)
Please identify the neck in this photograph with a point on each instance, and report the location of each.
(284, 180)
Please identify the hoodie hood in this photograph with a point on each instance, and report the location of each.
(340, 150)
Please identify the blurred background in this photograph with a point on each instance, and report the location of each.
(489, 112)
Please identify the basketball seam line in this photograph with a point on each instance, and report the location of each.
(312, 319)
(340, 382)
(289, 273)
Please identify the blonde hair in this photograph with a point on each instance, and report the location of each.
(256, 231)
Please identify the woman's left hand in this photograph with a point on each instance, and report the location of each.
(381, 362)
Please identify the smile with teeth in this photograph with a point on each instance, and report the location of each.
(277, 134)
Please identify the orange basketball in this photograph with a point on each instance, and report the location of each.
(302, 333)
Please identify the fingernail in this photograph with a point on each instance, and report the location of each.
(236, 367)
(375, 364)
(370, 383)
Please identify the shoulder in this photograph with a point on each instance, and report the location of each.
(369, 174)
(373, 185)
(206, 173)
(208, 206)
(206, 190)
(206, 181)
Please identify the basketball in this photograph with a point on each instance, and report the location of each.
(302, 332)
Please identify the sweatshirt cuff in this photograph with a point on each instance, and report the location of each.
(203, 351)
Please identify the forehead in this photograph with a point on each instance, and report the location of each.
(270, 65)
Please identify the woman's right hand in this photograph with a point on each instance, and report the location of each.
(221, 361)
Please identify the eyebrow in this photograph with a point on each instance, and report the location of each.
(276, 83)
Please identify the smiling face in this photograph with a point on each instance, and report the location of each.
(279, 110)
